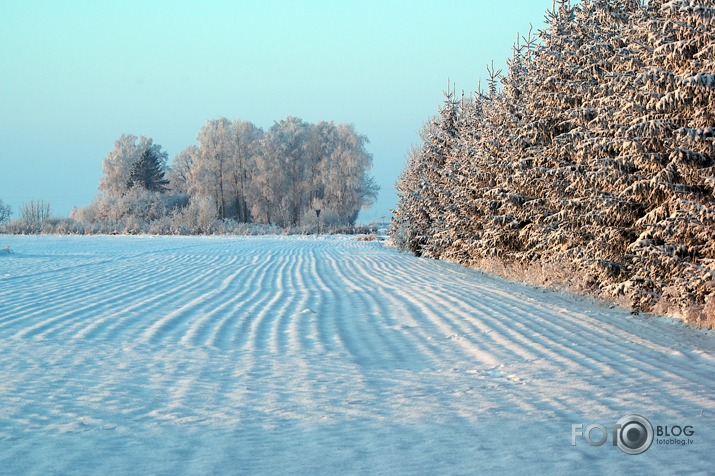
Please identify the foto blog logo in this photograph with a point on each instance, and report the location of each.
(633, 434)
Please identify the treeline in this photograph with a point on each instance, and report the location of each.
(589, 164)
(236, 174)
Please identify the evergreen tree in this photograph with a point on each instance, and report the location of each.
(594, 164)
(148, 171)
(425, 187)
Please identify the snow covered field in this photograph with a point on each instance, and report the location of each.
(286, 355)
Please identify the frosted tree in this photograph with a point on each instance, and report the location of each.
(594, 163)
(402, 231)
(423, 187)
(117, 166)
(34, 213)
(264, 207)
(591, 219)
(133, 179)
(344, 185)
(321, 142)
(467, 175)
(245, 141)
(286, 146)
(247, 175)
(179, 171)
(210, 171)
(675, 247)
(221, 166)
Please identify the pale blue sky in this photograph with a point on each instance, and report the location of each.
(75, 75)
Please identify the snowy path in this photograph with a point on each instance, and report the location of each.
(276, 355)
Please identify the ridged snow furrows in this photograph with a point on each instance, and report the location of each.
(271, 355)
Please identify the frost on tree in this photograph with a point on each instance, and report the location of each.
(281, 176)
(133, 161)
(237, 173)
(593, 165)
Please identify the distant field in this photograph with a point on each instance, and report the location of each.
(275, 355)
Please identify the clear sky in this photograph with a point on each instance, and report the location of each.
(75, 75)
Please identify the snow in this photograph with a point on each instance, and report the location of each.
(277, 355)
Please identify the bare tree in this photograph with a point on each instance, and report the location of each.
(5, 212)
(34, 212)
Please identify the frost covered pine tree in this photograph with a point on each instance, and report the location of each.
(675, 254)
(595, 162)
(423, 188)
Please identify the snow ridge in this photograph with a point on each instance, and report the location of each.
(201, 355)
